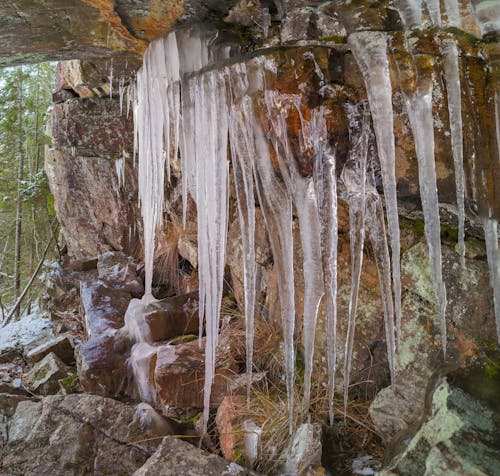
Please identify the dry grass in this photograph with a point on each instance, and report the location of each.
(352, 433)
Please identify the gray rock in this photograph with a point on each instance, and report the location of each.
(304, 451)
(62, 346)
(419, 354)
(175, 457)
(460, 436)
(43, 378)
(79, 435)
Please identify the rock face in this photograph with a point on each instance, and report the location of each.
(90, 138)
(79, 435)
(420, 355)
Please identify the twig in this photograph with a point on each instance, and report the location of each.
(28, 285)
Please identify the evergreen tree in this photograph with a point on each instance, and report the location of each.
(25, 211)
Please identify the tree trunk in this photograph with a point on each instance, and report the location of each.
(19, 203)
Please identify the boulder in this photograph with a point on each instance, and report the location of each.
(104, 307)
(459, 435)
(43, 378)
(79, 435)
(180, 372)
(175, 457)
(470, 324)
(102, 363)
(8, 405)
(23, 335)
(164, 319)
(119, 271)
(62, 346)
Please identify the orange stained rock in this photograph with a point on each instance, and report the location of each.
(118, 32)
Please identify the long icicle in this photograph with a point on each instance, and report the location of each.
(419, 107)
(452, 77)
(276, 205)
(325, 184)
(354, 178)
(242, 154)
(303, 194)
(490, 227)
(370, 51)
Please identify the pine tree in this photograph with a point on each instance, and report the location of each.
(25, 215)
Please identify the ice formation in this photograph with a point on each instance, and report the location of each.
(452, 76)
(185, 108)
(490, 227)
(419, 107)
(370, 51)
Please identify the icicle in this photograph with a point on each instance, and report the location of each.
(490, 227)
(434, 10)
(155, 114)
(497, 120)
(370, 51)
(120, 172)
(419, 106)
(487, 15)
(452, 76)
(242, 154)
(276, 205)
(121, 90)
(354, 178)
(410, 12)
(325, 184)
(211, 135)
(304, 197)
(140, 360)
(453, 13)
(111, 80)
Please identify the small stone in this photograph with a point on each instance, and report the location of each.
(62, 346)
(303, 454)
(44, 377)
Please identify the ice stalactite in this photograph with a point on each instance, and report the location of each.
(304, 197)
(497, 119)
(419, 107)
(121, 92)
(120, 172)
(410, 12)
(370, 51)
(452, 77)
(325, 185)
(490, 227)
(453, 13)
(276, 204)
(211, 141)
(155, 116)
(354, 179)
(434, 9)
(242, 155)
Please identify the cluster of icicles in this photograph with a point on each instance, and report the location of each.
(184, 109)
